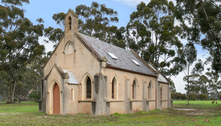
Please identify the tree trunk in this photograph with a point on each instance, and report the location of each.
(11, 91)
(188, 85)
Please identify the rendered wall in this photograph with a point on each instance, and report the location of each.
(120, 104)
(82, 64)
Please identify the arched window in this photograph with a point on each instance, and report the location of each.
(69, 48)
(134, 90)
(69, 20)
(114, 89)
(72, 94)
(88, 88)
(161, 92)
(149, 91)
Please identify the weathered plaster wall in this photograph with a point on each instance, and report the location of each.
(81, 62)
(51, 81)
(164, 95)
(121, 78)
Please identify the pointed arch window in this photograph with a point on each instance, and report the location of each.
(149, 91)
(72, 94)
(161, 92)
(69, 48)
(114, 89)
(88, 88)
(69, 22)
(134, 90)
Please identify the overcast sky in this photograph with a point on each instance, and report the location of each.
(46, 8)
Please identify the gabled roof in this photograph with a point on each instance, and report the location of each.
(60, 71)
(124, 57)
(161, 77)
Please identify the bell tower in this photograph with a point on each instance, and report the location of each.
(71, 22)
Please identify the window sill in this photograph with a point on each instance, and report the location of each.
(85, 100)
(113, 100)
(150, 100)
(163, 100)
(135, 100)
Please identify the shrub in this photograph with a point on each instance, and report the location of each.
(192, 96)
(35, 95)
(219, 96)
(15, 99)
(178, 96)
(212, 98)
(202, 97)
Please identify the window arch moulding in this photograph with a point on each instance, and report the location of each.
(114, 87)
(84, 84)
(134, 88)
(69, 48)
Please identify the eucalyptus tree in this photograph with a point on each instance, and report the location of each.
(96, 20)
(172, 86)
(152, 33)
(197, 83)
(55, 34)
(190, 55)
(214, 83)
(201, 23)
(31, 77)
(19, 38)
(3, 84)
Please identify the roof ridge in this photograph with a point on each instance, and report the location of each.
(105, 42)
(78, 35)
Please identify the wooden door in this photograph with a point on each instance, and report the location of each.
(56, 100)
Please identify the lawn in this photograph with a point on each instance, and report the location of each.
(202, 113)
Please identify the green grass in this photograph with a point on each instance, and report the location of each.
(16, 107)
(26, 113)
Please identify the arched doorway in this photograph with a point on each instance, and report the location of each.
(56, 99)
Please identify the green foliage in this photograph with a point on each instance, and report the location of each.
(31, 77)
(192, 96)
(35, 95)
(172, 86)
(152, 33)
(200, 21)
(178, 96)
(202, 97)
(18, 41)
(214, 84)
(15, 99)
(219, 96)
(189, 54)
(95, 20)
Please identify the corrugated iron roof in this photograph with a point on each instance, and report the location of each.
(125, 57)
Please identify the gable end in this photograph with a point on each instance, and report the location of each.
(93, 52)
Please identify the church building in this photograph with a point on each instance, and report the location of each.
(86, 75)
